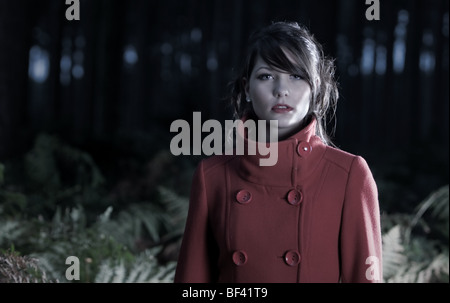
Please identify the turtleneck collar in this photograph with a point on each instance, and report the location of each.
(297, 159)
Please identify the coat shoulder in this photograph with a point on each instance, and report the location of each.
(344, 159)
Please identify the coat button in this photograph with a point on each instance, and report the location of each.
(239, 257)
(294, 197)
(243, 196)
(304, 149)
(292, 258)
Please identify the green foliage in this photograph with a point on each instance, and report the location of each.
(438, 204)
(20, 269)
(53, 214)
(144, 269)
(147, 221)
(101, 255)
(415, 249)
(44, 162)
(56, 203)
(51, 174)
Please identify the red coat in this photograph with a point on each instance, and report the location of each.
(313, 217)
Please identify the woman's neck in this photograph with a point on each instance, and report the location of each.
(283, 133)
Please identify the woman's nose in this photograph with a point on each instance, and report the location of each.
(280, 91)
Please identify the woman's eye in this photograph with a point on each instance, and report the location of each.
(297, 77)
(265, 77)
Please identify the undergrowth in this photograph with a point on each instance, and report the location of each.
(55, 203)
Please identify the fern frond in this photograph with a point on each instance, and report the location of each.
(105, 273)
(177, 208)
(415, 261)
(438, 269)
(119, 273)
(394, 258)
(143, 269)
(438, 201)
(10, 230)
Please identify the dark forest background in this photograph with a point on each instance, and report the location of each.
(94, 99)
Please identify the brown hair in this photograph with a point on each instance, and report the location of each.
(310, 63)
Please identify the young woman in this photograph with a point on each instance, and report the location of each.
(311, 217)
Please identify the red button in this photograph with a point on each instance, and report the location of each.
(304, 149)
(292, 258)
(243, 196)
(239, 257)
(294, 197)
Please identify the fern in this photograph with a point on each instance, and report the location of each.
(9, 231)
(147, 223)
(65, 235)
(131, 225)
(414, 257)
(177, 208)
(55, 173)
(144, 269)
(402, 265)
(438, 204)
(393, 252)
(49, 155)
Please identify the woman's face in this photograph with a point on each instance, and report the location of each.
(278, 96)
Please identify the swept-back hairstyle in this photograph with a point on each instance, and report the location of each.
(271, 43)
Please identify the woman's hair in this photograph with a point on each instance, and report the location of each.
(271, 43)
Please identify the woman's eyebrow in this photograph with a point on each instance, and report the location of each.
(263, 67)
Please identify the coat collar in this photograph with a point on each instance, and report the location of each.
(298, 157)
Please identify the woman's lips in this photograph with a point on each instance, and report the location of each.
(282, 108)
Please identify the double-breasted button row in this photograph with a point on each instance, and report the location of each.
(294, 196)
(304, 149)
(291, 257)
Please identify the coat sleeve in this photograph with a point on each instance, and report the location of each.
(360, 239)
(194, 258)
